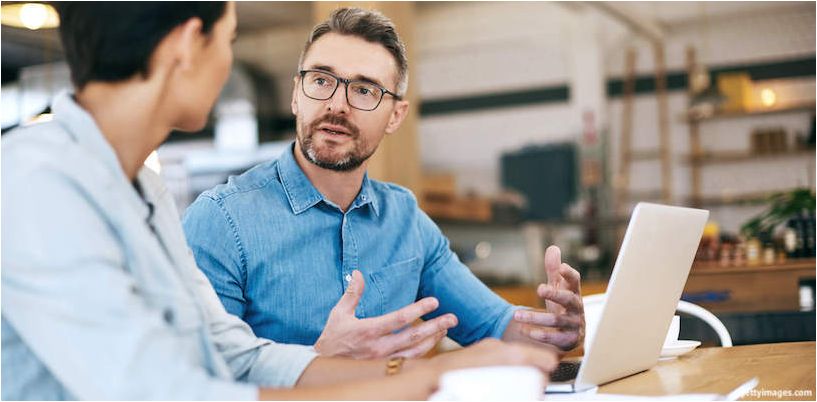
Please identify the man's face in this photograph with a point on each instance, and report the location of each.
(332, 134)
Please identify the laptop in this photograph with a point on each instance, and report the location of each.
(642, 295)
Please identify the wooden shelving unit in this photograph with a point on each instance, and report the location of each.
(761, 288)
(734, 199)
(744, 289)
(710, 158)
(699, 157)
(712, 268)
(799, 107)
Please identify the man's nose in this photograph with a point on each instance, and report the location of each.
(338, 102)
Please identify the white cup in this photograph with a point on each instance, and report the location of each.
(496, 383)
(674, 330)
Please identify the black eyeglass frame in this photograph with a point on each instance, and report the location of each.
(346, 81)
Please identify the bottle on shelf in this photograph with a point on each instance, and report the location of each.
(753, 251)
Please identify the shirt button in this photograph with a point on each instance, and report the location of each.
(168, 316)
(348, 278)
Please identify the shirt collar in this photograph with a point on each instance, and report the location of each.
(302, 195)
(367, 196)
(82, 127)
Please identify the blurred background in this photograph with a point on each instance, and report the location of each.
(537, 123)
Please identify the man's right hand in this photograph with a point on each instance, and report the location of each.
(383, 336)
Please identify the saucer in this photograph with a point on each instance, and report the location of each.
(677, 348)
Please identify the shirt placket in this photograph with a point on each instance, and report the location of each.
(350, 258)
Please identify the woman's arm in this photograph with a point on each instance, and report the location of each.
(337, 378)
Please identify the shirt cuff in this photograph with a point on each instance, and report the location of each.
(281, 365)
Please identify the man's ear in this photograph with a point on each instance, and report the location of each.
(294, 102)
(397, 116)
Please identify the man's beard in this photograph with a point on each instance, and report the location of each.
(344, 163)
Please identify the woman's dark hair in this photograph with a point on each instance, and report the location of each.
(113, 40)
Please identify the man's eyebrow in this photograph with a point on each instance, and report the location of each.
(361, 77)
(323, 68)
(358, 77)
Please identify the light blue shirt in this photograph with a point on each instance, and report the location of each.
(101, 298)
(280, 255)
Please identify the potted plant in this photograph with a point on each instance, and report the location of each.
(782, 207)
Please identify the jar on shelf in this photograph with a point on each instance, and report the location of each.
(753, 252)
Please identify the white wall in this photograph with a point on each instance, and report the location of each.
(770, 36)
(474, 48)
(274, 51)
(33, 92)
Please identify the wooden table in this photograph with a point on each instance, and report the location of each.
(786, 367)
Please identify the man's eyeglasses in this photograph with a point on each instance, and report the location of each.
(362, 95)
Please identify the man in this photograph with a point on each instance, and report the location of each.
(101, 297)
(282, 242)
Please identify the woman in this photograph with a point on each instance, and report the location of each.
(101, 297)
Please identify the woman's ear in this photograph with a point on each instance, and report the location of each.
(176, 51)
(190, 41)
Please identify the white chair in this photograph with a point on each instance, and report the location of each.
(593, 305)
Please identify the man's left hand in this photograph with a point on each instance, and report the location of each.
(562, 323)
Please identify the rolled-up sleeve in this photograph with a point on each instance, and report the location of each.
(481, 312)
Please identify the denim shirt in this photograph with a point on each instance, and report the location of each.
(101, 298)
(280, 255)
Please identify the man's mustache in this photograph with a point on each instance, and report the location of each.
(337, 121)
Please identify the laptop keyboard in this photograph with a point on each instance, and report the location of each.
(566, 371)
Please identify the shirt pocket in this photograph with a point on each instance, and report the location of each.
(397, 285)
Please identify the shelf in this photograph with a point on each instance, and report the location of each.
(801, 107)
(744, 289)
(703, 268)
(736, 199)
(646, 155)
(644, 195)
(740, 156)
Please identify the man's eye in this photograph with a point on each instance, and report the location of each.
(320, 81)
(363, 91)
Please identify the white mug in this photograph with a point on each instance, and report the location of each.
(674, 330)
(495, 383)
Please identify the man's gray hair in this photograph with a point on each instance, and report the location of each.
(369, 25)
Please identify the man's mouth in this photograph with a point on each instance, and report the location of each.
(334, 130)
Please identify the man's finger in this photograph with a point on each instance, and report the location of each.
(553, 261)
(564, 340)
(405, 316)
(572, 278)
(533, 317)
(566, 299)
(348, 302)
(420, 349)
(418, 333)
